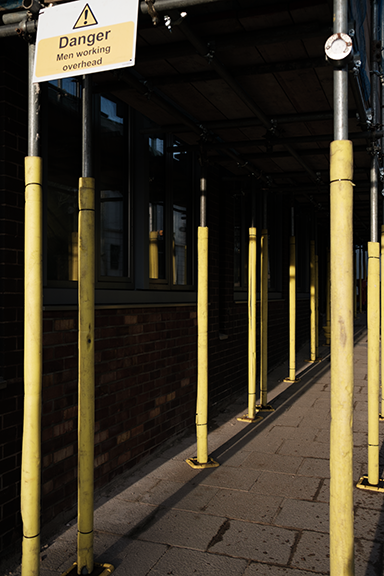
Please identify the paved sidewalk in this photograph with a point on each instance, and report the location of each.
(264, 511)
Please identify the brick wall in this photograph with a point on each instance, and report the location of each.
(13, 82)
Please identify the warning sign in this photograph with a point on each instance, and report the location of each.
(77, 38)
(86, 18)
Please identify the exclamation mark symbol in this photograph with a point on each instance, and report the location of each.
(85, 17)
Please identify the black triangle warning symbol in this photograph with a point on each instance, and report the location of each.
(86, 18)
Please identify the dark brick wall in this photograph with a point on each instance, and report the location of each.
(13, 135)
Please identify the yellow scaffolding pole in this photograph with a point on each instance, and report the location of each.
(86, 373)
(317, 304)
(341, 447)
(360, 280)
(292, 312)
(381, 417)
(202, 460)
(354, 284)
(327, 327)
(252, 251)
(263, 406)
(312, 291)
(372, 480)
(33, 347)
(373, 322)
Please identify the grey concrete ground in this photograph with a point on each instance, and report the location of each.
(264, 511)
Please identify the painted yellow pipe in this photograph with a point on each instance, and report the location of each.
(373, 322)
(264, 319)
(317, 304)
(341, 447)
(86, 373)
(33, 332)
(382, 324)
(312, 265)
(202, 346)
(360, 280)
(252, 323)
(327, 328)
(354, 284)
(153, 255)
(292, 310)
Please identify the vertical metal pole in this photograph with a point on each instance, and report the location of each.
(264, 322)
(328, 325)
(202, 328)
(252, 324)
(317, 305)
(382, 323)
(86, 287)
(313, 300)
(33, 333)
(354, 283)
(292, 303)
(373, 322)
(202, 460)
(360, 279)
(341, 446)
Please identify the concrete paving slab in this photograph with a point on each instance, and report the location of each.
(133, 557)
(286, 485)
(121, 517)
(305, 515)
(369, 524)
(257, 569)
(169, 470)
(314, 467)
(309, 449)
(244, 505)
(239, 478)
(312, 552)
(181, 528)
(234, 460)
(135, 492)
(368, 558)
(273, 462)
(255, 542)
(297, 434)
(192, 563)
(181, 496)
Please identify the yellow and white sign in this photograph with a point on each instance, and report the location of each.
(84, 37)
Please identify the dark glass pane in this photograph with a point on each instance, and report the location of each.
(181, 240)
(157, 258)
(64, 169)
(113, 189)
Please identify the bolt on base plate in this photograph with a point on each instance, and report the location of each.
(363, 484)
(247, 418)
(98, 570)
(194, 463)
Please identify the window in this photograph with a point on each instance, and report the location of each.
(144, 201)
(170, 213)
(62, 138)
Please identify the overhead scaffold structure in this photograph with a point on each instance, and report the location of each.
(335, 270)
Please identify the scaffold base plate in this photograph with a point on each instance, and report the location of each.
(381, 418)
(287, 379)
(313, 361)
(363, 484)
(246, 418)
(265, 408)
(98, 570)
(194, 463)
